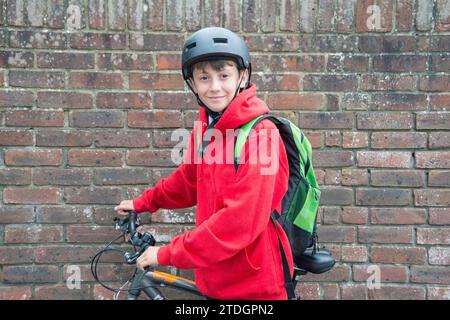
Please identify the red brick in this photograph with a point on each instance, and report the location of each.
(438, 178)
(124, 100)
(154, 119)
(16, 59)
(333, 159)
(433, 120)
(440, 102)
(36, 79)
(16, 13)
(15, 177)
(399, 102)
(155, 15)
(439, 256)
(15, 293)
(336, 234)
(438, 293)
(127, 139)
(125, 61)
(175, 101)
(399, 140)
(16, 138)
(407, 292)
(306, 63)
(356, 177)
(387, 44)
(288, 15)
(384, 159)
(135, 14)
(354, 254)
(277, 82)
(388, 235)
(398, 255)
(87, 234)
(403, 63)
(440, 63)
(39, 157)
(56, 176)
(308, 101)
(157, 158)
(64, 100)
(388, 82)
(435, 83)
(308, 291)
(433, 159)
(96, 80)
(355, 215)
(66, 214)
(96, 119)
(337, 83)
(33, 274)
(35, 118)
(336, 274)
(56, 11)
(100, 41)
(429, 275)
(438, 140)
(31, 195)
(326, 120)
(384, 121)
(65, 253)
(20, 98)
(404, 15)
(37, 40)
(439, 216)
(14, 214)
(442, 16)
(325, 16)
(353, 63)
(62, 292)
(346, 16)
(433, 235)
(432, 197)
(397, 178)
(353, 292)
(155, 81)
(94, 195)
(63, 138)
(64, 60)
(353, 139)
(156, 42)
(398, 216)
(383, 197)
(168, 62)
(97, 19)
(95, 158)
(272, 43)
(33, 234)
(123, 176)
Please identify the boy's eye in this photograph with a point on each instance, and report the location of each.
(203, 78)
(224, 75)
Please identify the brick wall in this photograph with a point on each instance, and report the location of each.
(90, 93)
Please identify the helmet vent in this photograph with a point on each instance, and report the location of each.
(191, 45)
(220, 40)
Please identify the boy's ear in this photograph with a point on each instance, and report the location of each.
(244, 79)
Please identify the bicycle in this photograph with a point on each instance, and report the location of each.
(148, 281)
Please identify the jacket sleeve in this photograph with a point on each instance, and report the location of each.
(244, 216)
(178, 190)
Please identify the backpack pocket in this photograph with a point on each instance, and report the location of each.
(306, 218)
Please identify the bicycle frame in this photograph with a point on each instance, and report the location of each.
(149, 280)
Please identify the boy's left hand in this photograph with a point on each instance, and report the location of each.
(148, 258)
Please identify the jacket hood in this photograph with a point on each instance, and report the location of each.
(245, 107)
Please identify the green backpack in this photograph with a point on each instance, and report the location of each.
(301, 201)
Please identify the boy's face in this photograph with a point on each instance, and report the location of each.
(216, 88)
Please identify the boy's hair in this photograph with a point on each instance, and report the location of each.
(217, 65)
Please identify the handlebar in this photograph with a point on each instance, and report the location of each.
(128, 226)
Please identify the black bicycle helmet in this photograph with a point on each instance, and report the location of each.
(214, 43)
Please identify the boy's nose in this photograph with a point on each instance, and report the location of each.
(215, 85)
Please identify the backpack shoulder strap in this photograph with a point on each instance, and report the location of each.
(244, 132)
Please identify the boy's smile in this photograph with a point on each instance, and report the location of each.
(216, 88)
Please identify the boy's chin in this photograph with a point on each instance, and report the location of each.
(216, 108)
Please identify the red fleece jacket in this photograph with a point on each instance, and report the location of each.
(234, 248)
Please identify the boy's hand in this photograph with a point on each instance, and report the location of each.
(148, 258)
(124, 207)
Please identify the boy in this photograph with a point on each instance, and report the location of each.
(234, 248)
